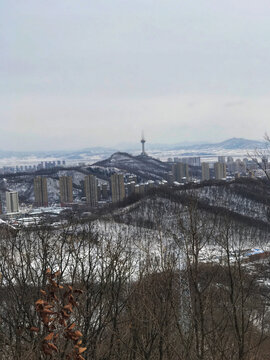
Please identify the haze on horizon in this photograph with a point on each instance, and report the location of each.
(76, 74)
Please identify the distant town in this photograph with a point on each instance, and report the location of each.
(113, 182)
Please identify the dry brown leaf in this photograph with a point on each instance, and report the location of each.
(40, 302)
(34, 329)
(71, 326)
(49, 336)
(48, 306)
(78, 333)
(81, 350)
(68, 307)
(52, 346)
(65, 314)
(45, 319)
(47, 311)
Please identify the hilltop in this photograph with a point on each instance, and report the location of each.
(142, 165)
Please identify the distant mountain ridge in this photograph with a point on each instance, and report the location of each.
(229, 144)
(233, 143)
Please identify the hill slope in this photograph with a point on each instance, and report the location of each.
(144, 166)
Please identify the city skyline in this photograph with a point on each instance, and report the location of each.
(90, 74)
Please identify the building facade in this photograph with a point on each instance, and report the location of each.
(192, 160)
(221, 159)
(180, 171)
(12, 201)
(104, 191)
(220, 170)
(205, 171)
(66, 189)
(117, 187)
(41, 191)
(91, 190)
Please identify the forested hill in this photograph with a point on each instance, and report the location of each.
(156, 274)
(141, 165)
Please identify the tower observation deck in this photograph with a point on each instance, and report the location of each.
(143, 141)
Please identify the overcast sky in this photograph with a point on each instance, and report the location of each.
(82, 73)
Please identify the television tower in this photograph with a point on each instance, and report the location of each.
(143, 142)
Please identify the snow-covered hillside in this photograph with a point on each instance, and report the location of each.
(234, 205)
(24, 184)
(144, 166)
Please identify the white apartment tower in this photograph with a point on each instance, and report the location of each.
(12, 202)
(180, 171)
(220, 170)
(66, 189)
(91, 190)
(118, 187)
(205, 171)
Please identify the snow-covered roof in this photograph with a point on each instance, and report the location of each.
(2, 222)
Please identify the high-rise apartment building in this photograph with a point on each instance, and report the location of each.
(180, 171)
(220, 170)
(131, 188)
(142, 189)
(192, 160)
(12, 201)
(221, 159)
(99, 192)
(66, 189)
(205, 171)
(118, 187)
(132, 178)
(104, 191)
(91, 190)
(41, 191)
(170, 177)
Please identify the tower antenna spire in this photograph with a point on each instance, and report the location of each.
(143, 141)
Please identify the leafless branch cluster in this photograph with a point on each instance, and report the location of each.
(132, 304)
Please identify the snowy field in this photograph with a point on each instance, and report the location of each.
(206, 155)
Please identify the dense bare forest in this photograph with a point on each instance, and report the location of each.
(150, 286)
